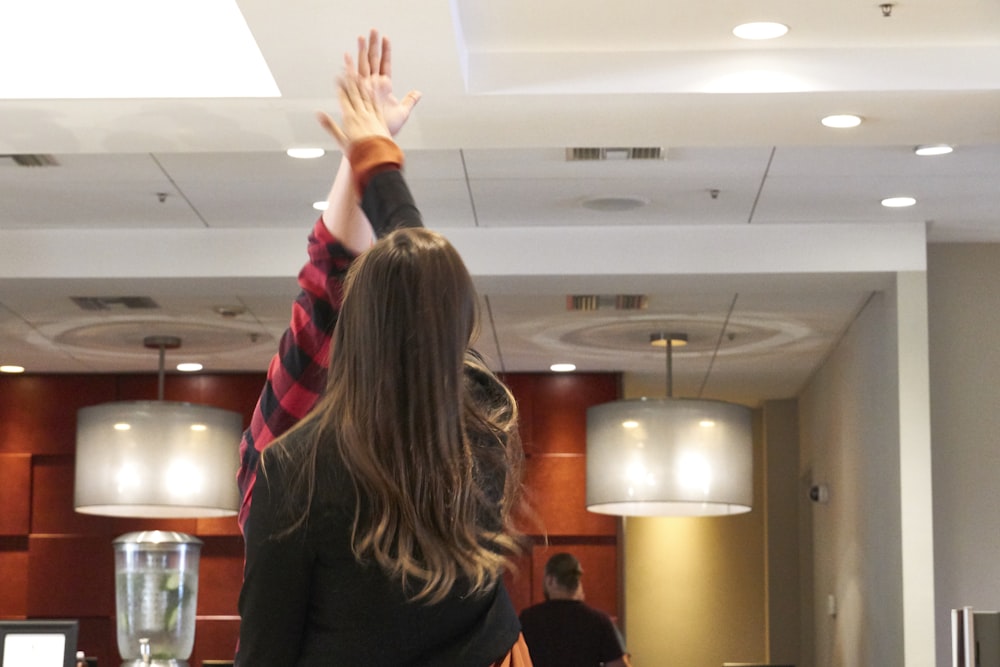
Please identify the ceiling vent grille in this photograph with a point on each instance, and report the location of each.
(631, 302)
(592, 302)
(29, 160)
(115, 302)
(593, 154)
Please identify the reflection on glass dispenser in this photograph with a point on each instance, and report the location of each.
(156, 591)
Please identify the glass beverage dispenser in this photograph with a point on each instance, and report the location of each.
(156, 595)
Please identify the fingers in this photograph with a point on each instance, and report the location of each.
(348, 63)
(374, 52)
(410, 100)
(363, 65)
(330, 125)
(374, 56)
(353, 95)
(385, 66)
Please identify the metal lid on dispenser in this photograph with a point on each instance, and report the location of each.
(153, 539)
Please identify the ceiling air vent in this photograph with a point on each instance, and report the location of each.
(29, 160)
(115, 302)
(591, 154)
(591, 302)
(631, 302)
(582, 302)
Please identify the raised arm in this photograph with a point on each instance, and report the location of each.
(296, 375)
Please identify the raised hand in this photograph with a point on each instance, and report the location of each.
(361, 113)
(373, 77)
(375, 64)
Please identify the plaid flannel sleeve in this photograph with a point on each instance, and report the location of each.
(296, 375)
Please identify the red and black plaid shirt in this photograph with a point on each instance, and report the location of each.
(297, 374)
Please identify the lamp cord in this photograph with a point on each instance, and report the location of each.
(670, 368)
(162, 373)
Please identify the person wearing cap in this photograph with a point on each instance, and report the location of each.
(564, 631)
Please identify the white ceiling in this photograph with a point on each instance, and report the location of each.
(764, 276)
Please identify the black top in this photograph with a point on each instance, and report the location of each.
(568, 633)
(307, 601)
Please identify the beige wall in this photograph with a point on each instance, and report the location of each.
(788, 565)
(703, 591)
(849, 437)
(865, 432)
(694, 590)
(964, 302)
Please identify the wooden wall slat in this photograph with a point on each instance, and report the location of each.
(215, 639)
(221, 526)
(557, 492)
(98, 638)
(13, 583)
(220, 576)
(38, 412)
(559, 406)
(15, 494)
(70, 577)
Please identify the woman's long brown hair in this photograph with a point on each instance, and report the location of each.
(427, 434)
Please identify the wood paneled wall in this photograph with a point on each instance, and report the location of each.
(55, 563)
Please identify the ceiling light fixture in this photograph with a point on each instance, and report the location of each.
(669, 456)
(898, 202)
(189, 367)
(562, 368)
(11, 368)
(157, 459)
(305, 153)
(933, 149)
(759, 30)
(841, 121)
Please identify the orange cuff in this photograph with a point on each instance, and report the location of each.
(371, 156)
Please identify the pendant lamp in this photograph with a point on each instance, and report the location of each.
(669, 456)
(157, 459)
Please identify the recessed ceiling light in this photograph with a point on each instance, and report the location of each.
(933, 149)
(562, 368)
(321, 205)
(898, 202)
(189, 367)
(760, 30)
(843, 120)
(11, 368)
(305, 153)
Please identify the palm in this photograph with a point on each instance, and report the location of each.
(394, 111)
